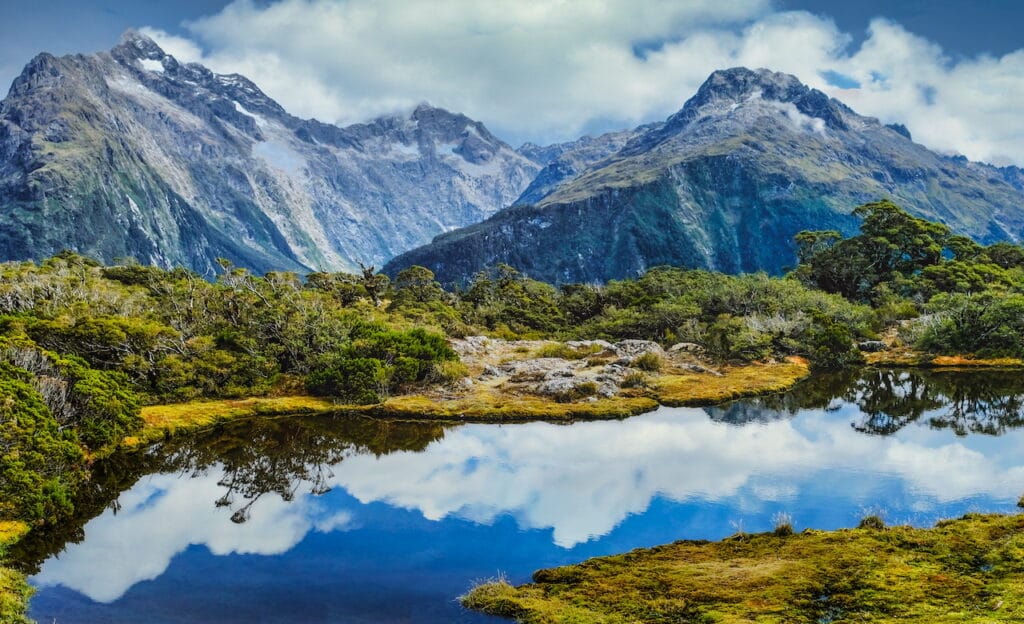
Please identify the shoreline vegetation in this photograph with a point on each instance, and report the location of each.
(94, 358)
(969, 570)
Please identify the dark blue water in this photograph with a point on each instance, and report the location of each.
(237, 526)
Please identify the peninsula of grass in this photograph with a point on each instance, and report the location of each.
(163, 421)
(485, 403)
(969, 570)
(697, 389)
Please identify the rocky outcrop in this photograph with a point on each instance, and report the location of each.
(600, 371)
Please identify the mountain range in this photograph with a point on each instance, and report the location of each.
(129, 153)
(724, 184)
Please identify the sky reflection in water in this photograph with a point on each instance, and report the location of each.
(401, 533)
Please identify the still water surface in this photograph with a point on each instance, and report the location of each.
(349, 519)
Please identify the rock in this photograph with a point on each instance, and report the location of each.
(633, 348)
(871, 346)
(471, 345)
(585, 345)
(566, 386)
(464, 384)
(697, 368)
(686, 347)
(539, 369)
(490, 372)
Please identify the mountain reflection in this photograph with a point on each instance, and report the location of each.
(262, 487)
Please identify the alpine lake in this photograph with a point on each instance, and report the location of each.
(345, 518)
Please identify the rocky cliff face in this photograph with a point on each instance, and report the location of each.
(130, 153)
(753, 158)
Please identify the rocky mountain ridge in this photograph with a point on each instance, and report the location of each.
(725, 183)
(131, 153)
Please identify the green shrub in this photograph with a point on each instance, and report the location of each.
(355, 380)
(830, 346)
(579, 391)
(871, 522)
(650, 362)
(41, 466)
(378, 361)
(448, 372)
(731, 339)
(104, 404)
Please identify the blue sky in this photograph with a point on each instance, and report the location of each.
(951, 70)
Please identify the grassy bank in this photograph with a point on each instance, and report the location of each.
(14, 589)
(161, 421)
(897, 358)
(969, 570)
(485, 403)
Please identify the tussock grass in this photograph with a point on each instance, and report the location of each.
(739, 381)
(969, 570)
(565, 352)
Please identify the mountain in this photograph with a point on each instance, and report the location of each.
(725, 183)
(566, 161)
(131, 153)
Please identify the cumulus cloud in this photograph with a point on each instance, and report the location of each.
(547, 71)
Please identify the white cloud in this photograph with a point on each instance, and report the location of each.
(161, 516)
(540, 70)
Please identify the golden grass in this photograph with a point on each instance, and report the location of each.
(11, 531)
(965, 571)
(14, 589)
(489, 404)
(959, 360)
(913, 358)
(735, 382)
(161, 421)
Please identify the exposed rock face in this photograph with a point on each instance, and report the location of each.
(753, 158)
(131, 153)
(595, 376)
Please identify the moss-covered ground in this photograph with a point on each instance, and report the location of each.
(14, 589)
(969, 570)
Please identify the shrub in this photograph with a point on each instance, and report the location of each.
(635, 380)
(579, 391)
(356, 380)
(448, 372)
(730, 338)
(650, 362)
(830, 345)
(41, 465)
(378, 361)
(783, 525)
(871, 522)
